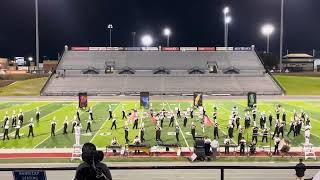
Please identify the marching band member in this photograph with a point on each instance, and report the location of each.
(21, 116)
(193, 130)
(6, 131)
(65, 125)
(53, 127)
(142, 132)
(114, 123)
(89, 122)
(18, 126)
(31, 125)
(38, 114)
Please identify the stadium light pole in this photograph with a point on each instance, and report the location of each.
(167, 32)
(110, 27)
(37, 33)
(226, 11)
(146, 40)
(281, 34)
(133, 38)
(267, 30)
(227, 21)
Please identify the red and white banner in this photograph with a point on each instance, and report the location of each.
(79, 48)
(170, 49)
(97, 48)
(188, 48)
(206, 48)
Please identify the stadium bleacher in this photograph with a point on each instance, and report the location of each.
(160, 72)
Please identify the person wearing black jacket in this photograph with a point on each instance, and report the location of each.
(300, 169)
(270, 119)
(255, 132)
(171, 121)
(92, 168)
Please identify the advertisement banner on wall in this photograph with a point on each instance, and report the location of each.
(79, 48)
(170, 49)
(150, 49)
(242, 48)
(188, 48)
(132, 49)
(224, 48)
(97, 48)
(206, 48)
(115, 48)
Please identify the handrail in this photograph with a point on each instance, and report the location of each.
(162, 168)
(221, 168)
(49, 78)
(268, 72)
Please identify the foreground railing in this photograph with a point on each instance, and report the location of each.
(221, 168)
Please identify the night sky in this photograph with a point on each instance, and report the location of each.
(194, 23)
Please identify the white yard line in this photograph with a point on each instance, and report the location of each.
(185, 140)
(70, 120)
(106, 120)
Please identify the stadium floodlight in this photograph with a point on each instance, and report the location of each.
(226, 10)
(30, 58)
(110, 27)
(267, 30)
(146, 40)
(167, 32)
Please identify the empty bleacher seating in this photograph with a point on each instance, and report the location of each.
(251, 75)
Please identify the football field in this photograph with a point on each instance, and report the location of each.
(102, 134)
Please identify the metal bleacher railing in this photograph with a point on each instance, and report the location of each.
(221, 168)
(48, 80)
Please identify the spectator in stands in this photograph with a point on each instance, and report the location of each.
(300, 169)
(214, 147)
(92, 168)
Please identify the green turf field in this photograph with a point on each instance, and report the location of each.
(102, 134)
(299, 85)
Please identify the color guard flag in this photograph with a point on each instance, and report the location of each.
(154, 120)
(207, 121)
(134, 115)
